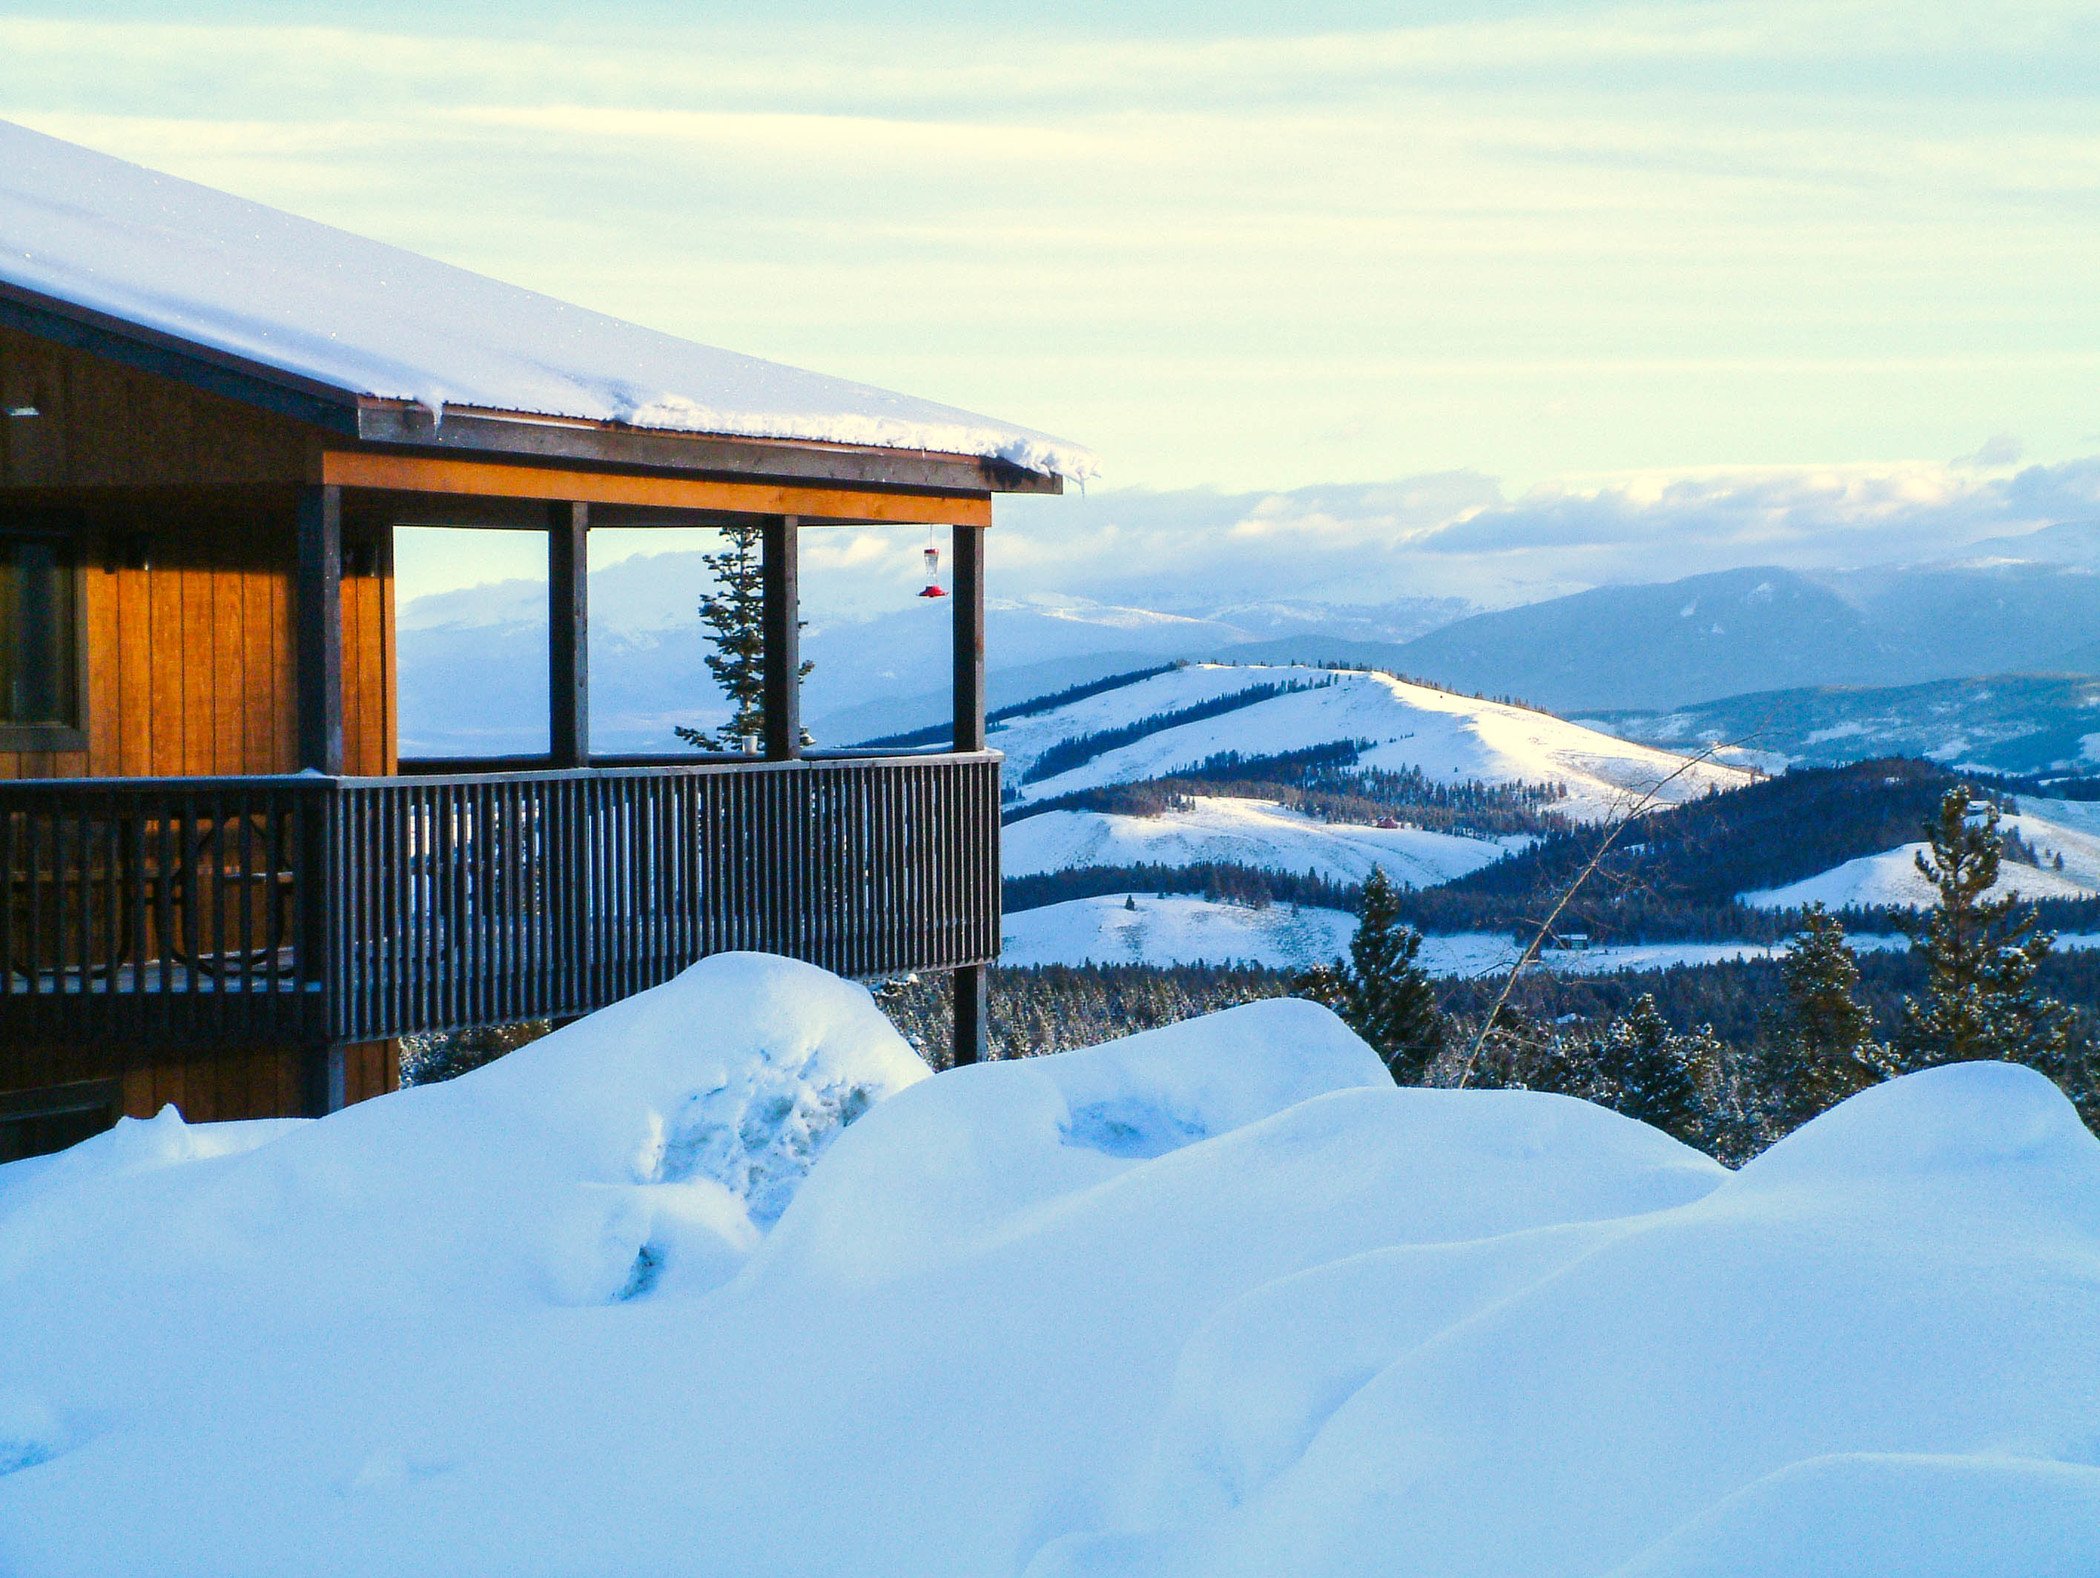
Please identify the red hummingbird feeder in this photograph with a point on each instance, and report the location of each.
(933, 573)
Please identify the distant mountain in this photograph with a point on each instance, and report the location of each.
(473, 661)
(1678, 643)
(2008, 723)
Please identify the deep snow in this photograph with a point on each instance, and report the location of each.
(337, 310)
(1218, 1299)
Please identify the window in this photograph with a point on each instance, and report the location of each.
(39, 634)
(38, 1122)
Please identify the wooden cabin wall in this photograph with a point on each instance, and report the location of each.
(207, 1087)
(100, 424)
(189, 658)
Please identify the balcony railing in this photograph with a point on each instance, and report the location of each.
(251, 911)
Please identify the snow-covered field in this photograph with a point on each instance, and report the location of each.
(1215, 1300)
(1446, 736)
(1186, 929)
(1175, 928)
(1234, 831)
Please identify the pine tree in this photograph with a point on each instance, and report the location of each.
(1382, 993)
(1660, 1077)
(1823, 1048)
(1980, 999)
(734, 616)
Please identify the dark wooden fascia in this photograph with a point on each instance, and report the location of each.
(394, 422)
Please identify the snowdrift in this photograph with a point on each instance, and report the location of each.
(717, 1281)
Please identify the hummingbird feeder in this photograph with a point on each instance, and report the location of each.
(933, 573)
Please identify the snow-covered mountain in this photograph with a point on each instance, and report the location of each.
(2008, 723)
(1447, 737)
(1671, 644)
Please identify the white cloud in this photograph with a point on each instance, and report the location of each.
(1619, 236)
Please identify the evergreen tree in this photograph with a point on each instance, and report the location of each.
(1382, 993)
(1823, 1048)
(1659, 1077)
(1981, 956)
(733, 614)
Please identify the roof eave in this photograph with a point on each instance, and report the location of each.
(527, 436)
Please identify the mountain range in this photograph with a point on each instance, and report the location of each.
(473, 667)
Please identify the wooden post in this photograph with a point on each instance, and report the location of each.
(568, 635)
(967, 607)
(973, 1014)
(973, 987)
(318, 606)
(781, 619)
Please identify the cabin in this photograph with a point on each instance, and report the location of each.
(224, 887)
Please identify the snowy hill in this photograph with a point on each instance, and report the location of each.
(1230, 830)
(1890, 879)
(1449, 738)
(718, 1280)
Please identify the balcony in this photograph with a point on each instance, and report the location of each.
(213, 912)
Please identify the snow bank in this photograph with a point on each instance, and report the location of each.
(369, 319)
(1217, 1299)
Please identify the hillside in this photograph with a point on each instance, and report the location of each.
(1234, 830)
(1171, 722)
(2002, 723)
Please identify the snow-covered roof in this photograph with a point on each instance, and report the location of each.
(373, 321)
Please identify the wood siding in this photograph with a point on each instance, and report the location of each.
(189, 659)
(209, 1087)
(102, 425)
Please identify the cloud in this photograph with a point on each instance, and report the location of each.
(1522, 239)
(1458, 534)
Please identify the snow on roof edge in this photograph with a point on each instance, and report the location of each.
(324, 305)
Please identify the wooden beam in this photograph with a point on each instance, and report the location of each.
(318, 608)
(783, 460)
(781, 618)
(967, 608)
(568, 635)
(495, 479)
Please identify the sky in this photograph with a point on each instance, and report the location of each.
(1568, 250)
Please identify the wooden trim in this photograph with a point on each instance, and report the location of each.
(605, 443)
(44, 736)
(482, 478)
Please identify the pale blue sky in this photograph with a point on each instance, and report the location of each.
(1253, 247)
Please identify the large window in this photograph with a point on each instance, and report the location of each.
(39, 633)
